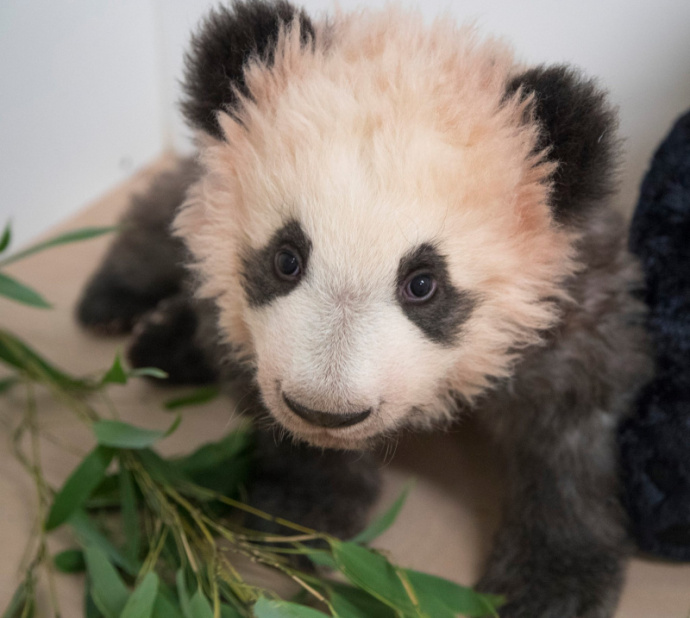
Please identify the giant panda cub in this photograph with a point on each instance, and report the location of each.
(389, 224)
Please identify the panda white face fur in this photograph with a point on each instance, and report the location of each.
(374, 223)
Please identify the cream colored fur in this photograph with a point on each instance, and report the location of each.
(383, 135)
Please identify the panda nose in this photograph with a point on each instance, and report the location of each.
(332, 420)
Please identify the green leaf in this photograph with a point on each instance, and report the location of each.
(149, 372)
(70, 561)
(79, 485)
(227, 611)
(351, 602)
(62, 239)
(267, 608)
(90, 608)
(196, 397)
(106, 495)
(130, 516)
(22, 603)
(17, 354)
(371, 572)
(380, 525)
(116, 374)
(124, 435)
(199, 607)
(162, 470)
(14, 290)
(6, 237)
(321, 557)
(89, 535)
(437, 595)
(182, 593)
(143, 599)
(221, 466)
(109, 591)
(7, 383)
(164, 608)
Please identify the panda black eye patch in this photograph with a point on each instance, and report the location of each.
(277, 268)
(429, 299)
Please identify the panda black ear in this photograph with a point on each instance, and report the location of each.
(226, 40)
(578, 127)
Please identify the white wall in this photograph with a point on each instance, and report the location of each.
(639, 49)
(80, 104)
(88, 88)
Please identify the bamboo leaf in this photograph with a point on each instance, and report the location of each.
(70, 561)
(7, 383)
(199, 607)
(182, 592)
(227, 611)
(380, 525)
(6, 237)
(79, 485)
(130, 517)
(320, 557)
(109, 591)
(164, 608)
(371, 572)
(142, 601)
(21, 293)
(221, 466)
(123, 435)
(89, 535)
(116, 374)
(149, 372)
(22, 603)
(68, 237)
(267, 608)
(437, 595)
(196, 397)
(349, 602)
(90, 608)
(106, 495)
(17, 354)
(162, 470)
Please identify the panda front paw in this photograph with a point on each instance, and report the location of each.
(165, 338)
(326, 490)
(109, 308)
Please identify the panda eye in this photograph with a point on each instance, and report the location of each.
(419, 288)
(288, 265)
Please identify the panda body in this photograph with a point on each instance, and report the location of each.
(391, 224)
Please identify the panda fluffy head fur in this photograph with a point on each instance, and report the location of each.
(388, 211)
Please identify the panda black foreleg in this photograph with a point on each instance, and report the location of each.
(324, 489)
(144, 263)
(561, 550)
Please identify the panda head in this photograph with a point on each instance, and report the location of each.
(388, 211)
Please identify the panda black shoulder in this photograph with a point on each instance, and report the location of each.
(225, 41)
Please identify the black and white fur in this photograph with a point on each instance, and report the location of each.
(563, 360)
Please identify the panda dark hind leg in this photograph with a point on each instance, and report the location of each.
(144, 263)
(562, 547)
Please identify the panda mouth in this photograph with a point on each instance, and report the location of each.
(328, 420)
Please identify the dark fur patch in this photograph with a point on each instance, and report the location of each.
(259, 278)
(324, 489)
(578, 127)
(144, 264)
(225, 42)
(166, 338)
(440, 318)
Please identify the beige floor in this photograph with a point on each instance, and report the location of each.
(444, 529)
